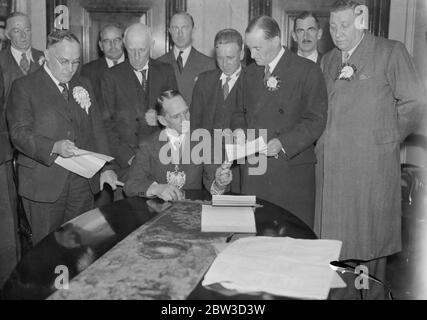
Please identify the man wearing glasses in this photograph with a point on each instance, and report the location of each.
(307, 33)
(111, 44)
(52, 113)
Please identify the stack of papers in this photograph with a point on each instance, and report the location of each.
(228, 219)
(280, 266)
(236, 151)
(233, 201)
(84, 163)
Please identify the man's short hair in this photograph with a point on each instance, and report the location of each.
(184, 13)
(111, 25)
(228, 36)
(267, 24)
(58, 36)
(16, 14)
(306, 14)
(147, 28)
(341, 5)
(168, 94)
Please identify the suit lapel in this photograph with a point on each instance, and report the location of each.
(360, 56)
(335, 64)
(16, 71)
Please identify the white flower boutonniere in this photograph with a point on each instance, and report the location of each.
(347, 72)
(151, 117)
(273, 83)
(82, 98)
(42, 59)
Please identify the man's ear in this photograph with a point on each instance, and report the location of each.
(319, 34)
(277, 41)
(242, 53)
(162, 120)
(100, 46)
(7, 34)
(294, 36)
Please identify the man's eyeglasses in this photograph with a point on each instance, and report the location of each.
(65, 62)
(116, 41)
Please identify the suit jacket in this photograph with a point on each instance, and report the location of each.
(196, 64)
(319, 58)
(94, 71)
(12, 71)
(148, 167)
(295, 114)
(208, 109)
(9, 72)
(358, 174)
(125, 104)
(38, 116)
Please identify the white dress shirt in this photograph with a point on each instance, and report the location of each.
(233, 79)
(313, 56)
(17, 55)
(110, 63)
(139, 74)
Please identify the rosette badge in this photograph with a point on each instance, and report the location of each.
(347, 72)
(82, 98)
(273, 83)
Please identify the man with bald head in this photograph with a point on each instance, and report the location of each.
(186, 61)
(129, 90)
(111, 44)
(52, 113)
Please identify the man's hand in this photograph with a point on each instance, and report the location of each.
(223, 175)
(274, 147)
(165, 192)
(110, 177)
(65, 148)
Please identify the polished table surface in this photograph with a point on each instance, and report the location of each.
(136, 248)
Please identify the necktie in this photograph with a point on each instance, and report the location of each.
(144, 80)
(64, 92)
(226, 87)
(179, 61)
(345, 57)
(267, 73)
(24, 63)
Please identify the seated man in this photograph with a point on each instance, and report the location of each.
(152, 173)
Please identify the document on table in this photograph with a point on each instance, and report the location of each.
(84, 163)
(231, 201)
(285, 266)
(228, 219)
(236, 151)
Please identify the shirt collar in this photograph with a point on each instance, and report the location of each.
(276, 60)
(174, 137)
(350, 52)
(234, 76)
(18, 54)
(313, 56)
(110, 62)
(46, 68)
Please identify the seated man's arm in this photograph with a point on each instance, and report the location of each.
(216, 178)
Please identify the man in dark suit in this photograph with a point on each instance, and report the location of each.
(154, 173)
(286, 95)
(129, 90)
(215, 93)
(51, 113)
(187, 62)
(307, 33)
(111, 44)
(20, 59)
(376, 99)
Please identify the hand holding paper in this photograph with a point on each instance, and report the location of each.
(238, 151)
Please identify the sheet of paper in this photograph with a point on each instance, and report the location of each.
(289, 267)
(236, 152)
(228, 219)
(85, 164)
(228, 200)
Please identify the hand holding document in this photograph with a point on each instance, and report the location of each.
(288, 267)
(239, 151)
(84, 163)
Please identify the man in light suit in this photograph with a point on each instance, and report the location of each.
(215, 93)
(286, 95)
(150, 171)
(52, 113)
(129, 90)
(111, 44)
(186, 61)
(375, 101)
(307, 33)
(20, 59)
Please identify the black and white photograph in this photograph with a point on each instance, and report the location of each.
(213, 155)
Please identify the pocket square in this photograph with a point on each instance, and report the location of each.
(364, 77)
